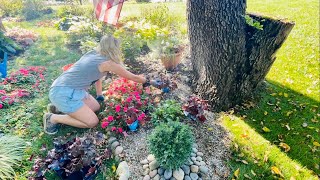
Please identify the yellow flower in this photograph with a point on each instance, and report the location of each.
(114, 168)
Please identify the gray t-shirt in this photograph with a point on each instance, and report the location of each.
(83, 73)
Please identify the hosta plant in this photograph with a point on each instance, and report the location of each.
(126, 102)
(81, 156)
(11, 152)
(171, 144)
(194, 108)
(169, 110)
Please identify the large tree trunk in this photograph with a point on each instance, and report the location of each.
(229, 57)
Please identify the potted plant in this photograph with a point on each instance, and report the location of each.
(169, 50)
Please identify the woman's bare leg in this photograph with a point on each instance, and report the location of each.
(92, 103)
(82, 118)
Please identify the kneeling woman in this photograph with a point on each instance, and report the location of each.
(68, 93)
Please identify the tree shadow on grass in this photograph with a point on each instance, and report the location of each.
(291, 117)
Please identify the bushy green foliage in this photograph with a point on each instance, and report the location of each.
(170, 110)
(158, 15)
(11, 152)
(32, 9)
(171, 144)
(75, 10)
(10, 7)
(88, 43)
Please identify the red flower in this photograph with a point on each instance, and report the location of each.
(104, 124)
(118, 108)
(113, 128)
(120, 130)
(129, 99)
(125, 109)
(141, 116)
(1, 106)
(110, 118)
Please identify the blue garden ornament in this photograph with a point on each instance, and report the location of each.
(134, 125)
(3, 65)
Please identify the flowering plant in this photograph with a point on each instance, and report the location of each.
(22, 83)
(22, 36)
(194, 108)
(126, 102)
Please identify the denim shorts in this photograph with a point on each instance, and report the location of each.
(67, 100)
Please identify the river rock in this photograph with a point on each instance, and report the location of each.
(167, 173)
(153, 173)
(145, 166)
(178, 174)
(186, 169)
(145, 161)
(147, 177)
(202, 163)
(194, 176)
(193, 155)
(150, 157)
(194, 168)
(123, 171)
(111, 140)
(204, 169)
(160, 171)
(118, 150)
(187, 178)
(194, 150)
(193, 159)
(199, 158)
(199, 153)
(153, 165)
(115, 144)
(157, 177)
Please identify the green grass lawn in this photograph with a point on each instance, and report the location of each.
(290, 100)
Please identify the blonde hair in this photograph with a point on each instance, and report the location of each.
(110, 46)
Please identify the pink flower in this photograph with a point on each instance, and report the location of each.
(104, 124)
(141, 116)
(113, 128)
(1, 106)
(148, 91)
(118, 108)
(120, 130)
(125, 109)
(110, 118)
(129, 99)
(2, 92)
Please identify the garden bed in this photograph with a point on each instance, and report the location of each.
(211, 138)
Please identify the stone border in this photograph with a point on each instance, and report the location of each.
(193, 169)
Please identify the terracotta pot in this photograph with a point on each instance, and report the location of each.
(170, 61)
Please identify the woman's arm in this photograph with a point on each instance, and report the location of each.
(99, 87)
(121, 71)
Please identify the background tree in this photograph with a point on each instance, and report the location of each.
(231, 52)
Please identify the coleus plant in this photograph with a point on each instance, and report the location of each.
(166, 84)
(82, 155)
(126, 102)
(194, 108)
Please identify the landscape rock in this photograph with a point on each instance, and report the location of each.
(186, 169)
(193, 155)
(199, 158)
(153, 165)
(153, 173)
(197, 163)
(145, 166)
(167, 173)
(160, 171)
(194, 176)
(145, 161)
(111, 140)
(194, 150)
(195, 145)
(157, 177)
(194, 168)
(187, 178)
(178, 174)
(204, 169)
(146, 171)
(150, 157)
(123, 171)
(118, 150)
(199, 153)
(115, 144)
(193, 159)
(147, 177)
(202, 163)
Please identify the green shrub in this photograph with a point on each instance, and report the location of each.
(11, 152)
(171, 144)
(158, 15)
(32, 9)
(170, 110)
(75, 10)
(10, 7)
(88, 43)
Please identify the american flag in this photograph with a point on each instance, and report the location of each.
(108, 10)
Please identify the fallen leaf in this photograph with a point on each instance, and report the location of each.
(315, 143)
(280, 93)
(304, 125)
(288, 127)
(276, 170)
(285, 146)
(236, 173)
(289, 113)
(247, 176)
(266, 156)
(244, 162)
(253, 173)
(265, 113)
(210, 129)
(265, 129)
(273, 94)
(314, 120)
(285, 95)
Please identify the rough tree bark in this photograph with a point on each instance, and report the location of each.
(229, 57)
